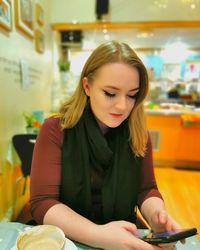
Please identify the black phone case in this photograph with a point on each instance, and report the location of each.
(156, 238)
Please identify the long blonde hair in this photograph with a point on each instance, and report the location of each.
(72, 110)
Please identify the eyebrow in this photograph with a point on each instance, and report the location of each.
(112, 87)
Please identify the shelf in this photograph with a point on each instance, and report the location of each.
(125, 25)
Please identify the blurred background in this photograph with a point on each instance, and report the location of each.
(43, 46)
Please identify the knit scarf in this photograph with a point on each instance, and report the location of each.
(85, 147)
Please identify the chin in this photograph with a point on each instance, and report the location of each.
(113, 124)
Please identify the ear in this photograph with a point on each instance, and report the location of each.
(86, 86)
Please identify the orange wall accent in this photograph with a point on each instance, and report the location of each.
(177, 143)
(189, 144)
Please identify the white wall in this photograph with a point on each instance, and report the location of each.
(151, 10)
(14, 100)
(72, 10)
(125, 10)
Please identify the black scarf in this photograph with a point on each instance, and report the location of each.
(85, 147)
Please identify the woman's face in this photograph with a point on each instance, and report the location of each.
(113, 93)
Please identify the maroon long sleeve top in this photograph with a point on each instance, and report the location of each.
(46, 171)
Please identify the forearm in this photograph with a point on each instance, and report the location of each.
(75, 226)
(150, 206)
(115, 235)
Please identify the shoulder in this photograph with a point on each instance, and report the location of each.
(149, 142)
(148, 151)
(51, 129)
(52, 122)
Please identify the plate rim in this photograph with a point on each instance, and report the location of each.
(71, 243)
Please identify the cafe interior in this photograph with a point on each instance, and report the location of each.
(43, 47)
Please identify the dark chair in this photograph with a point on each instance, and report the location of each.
(141, 223)
(24, 145)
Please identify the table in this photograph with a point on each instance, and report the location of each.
(10, 230)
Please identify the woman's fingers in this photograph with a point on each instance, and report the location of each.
(163, 217)
(130, 227)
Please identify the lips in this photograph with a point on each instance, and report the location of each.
(116, 115)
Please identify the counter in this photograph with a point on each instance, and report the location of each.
(176, 140)
(10, 231)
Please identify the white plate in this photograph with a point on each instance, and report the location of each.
(69, 245)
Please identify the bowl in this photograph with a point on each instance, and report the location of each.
(43, 237)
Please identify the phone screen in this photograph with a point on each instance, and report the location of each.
(165, 234)
(170, 236)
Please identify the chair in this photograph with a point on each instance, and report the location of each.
(24, 145)
(141, 223)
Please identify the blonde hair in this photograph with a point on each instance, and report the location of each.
(72, 110)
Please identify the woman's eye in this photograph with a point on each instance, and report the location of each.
(133, 96)
(108, 94)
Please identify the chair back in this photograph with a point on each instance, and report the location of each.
(24, 145)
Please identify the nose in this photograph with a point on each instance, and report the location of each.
(121, 103)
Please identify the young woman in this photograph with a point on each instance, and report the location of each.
(92, 164)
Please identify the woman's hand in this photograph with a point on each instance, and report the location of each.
(122, 235)
(161, 221)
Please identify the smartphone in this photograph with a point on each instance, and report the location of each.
(168, 237)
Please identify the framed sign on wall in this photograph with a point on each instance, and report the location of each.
(5, 15)
(24, 17)
(39, 14)
(39, 41)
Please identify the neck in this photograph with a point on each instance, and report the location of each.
(103, 127)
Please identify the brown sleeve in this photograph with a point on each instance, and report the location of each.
(148, 187)
(46, 169)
